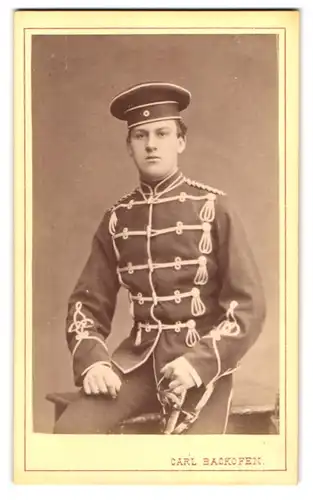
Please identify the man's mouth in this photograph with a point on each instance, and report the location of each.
(152, 157)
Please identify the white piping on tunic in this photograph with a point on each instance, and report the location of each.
(130, 204)
(151, 269)
(89, 337)
(192, 336)
(130, 268)
(201, 276)
(207, 214)
(177, 296)
(112, 228)
(159, 324)
(103, 363)
(171, 174)
(197, 306)
(112, 222)
(178, 262)
(227, 328)
(80, 327)
(176, 182)
(117, 253)
(180, 197)
(126, 233)
(123, 370)
(179, 228)
(157, 298)
(154, 195)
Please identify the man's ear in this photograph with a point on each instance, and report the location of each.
(181, 144)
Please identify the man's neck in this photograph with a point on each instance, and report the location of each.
(155, 181)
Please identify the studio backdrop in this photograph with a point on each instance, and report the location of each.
(81, 167)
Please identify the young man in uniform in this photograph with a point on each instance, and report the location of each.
(196, 298)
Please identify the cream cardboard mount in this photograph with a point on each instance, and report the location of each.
(42, 457)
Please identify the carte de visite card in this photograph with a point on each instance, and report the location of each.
(199, 297)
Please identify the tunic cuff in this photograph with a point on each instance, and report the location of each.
(194, 374)
(104, 363)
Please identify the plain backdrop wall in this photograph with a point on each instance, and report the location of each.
(80, 168)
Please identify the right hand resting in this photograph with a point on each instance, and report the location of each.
(101, 379)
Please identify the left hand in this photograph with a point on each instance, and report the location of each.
(179, 372)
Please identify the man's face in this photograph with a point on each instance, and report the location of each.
(154, 148)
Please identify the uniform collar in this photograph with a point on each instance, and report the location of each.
(162, 185)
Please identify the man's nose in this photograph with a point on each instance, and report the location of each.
(150, 143)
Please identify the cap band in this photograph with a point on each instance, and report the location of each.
(150, 104)
(152, 111)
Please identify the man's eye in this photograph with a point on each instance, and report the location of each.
(162, 134)
(139, 136)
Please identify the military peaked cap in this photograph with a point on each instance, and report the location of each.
(150, 102)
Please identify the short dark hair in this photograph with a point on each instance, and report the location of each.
(181, 130)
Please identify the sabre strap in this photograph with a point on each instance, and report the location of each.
(181, 411)
(172, 404)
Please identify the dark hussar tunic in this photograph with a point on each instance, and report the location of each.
(194, 290)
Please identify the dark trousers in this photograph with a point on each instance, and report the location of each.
(100, 414)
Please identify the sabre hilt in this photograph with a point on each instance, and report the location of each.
(174, 403)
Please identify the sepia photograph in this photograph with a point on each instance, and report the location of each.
(154, 289)
(170, 239)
